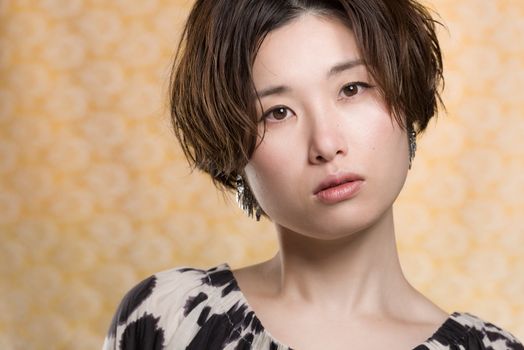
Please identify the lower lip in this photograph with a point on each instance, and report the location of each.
(339, 193)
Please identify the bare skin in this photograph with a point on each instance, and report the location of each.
(337, 279)
(348, 294)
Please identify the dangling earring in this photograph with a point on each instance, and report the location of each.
(412, 139)
(246, 200)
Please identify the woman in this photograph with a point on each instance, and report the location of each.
(309, 110)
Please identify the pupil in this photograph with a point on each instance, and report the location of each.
(280, 113)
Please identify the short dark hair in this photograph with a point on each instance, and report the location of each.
(213, 98)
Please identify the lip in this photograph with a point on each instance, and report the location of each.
(339, 187)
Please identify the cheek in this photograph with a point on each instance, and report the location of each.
(392, 142)
(264, 168)
(274, 169)
(381, 129)
(392, 159)
(384, 145)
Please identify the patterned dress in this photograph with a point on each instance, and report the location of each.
(187, 308)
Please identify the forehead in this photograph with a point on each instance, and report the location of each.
(308, 44)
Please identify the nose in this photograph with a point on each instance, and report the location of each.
(326, 139)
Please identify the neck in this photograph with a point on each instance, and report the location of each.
(356, 274)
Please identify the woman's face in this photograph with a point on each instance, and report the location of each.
(332, 160)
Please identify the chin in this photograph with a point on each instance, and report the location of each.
(344, 229)
(335, 224)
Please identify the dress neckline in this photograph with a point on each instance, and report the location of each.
(450, 330)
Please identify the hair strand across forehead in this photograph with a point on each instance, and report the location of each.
(213, 100)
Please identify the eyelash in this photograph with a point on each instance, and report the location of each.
(358, 84)
(266, 115)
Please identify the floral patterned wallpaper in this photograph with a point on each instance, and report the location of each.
(95, 194)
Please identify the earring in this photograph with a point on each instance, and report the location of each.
(412, 139)
(246, 200)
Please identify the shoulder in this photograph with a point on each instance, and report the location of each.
(151, 311)
(477, 333)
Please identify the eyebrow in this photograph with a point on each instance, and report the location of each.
(345, 66)
(281, 89)
(274, 90)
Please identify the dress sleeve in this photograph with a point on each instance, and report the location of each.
(151, 314)
(134, 326)
(497, 338)
(489, 335)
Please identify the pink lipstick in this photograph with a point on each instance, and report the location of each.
(337, 188)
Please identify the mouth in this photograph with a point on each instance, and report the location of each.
(340, 187)
(335, 181)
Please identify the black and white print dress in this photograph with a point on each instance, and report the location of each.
(191, 309)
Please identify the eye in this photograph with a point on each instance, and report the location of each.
(353, 89)
(278, 113)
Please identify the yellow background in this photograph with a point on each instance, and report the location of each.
(95, 194)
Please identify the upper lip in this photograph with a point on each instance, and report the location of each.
(335, 180)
